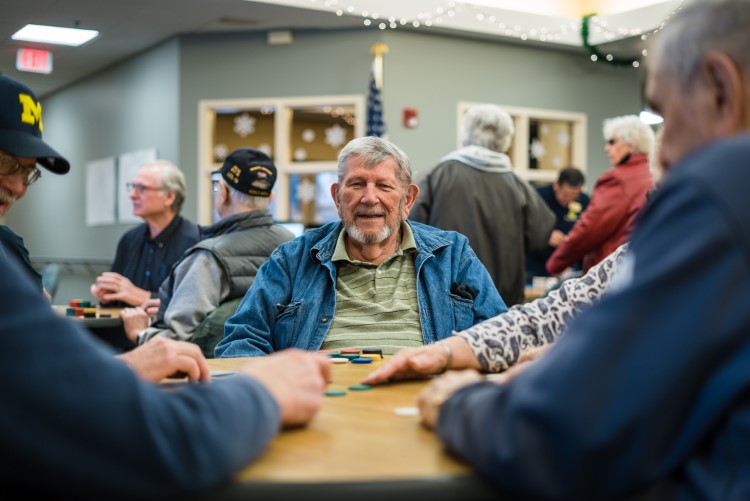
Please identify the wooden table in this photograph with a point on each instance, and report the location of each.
(356, 447)
(106, 326)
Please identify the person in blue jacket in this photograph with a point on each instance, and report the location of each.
(648, 392)
(371, 280)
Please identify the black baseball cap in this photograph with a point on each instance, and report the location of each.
(21, 126)
(249, 171)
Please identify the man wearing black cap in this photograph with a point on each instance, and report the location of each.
(223, 265)
(21, 148)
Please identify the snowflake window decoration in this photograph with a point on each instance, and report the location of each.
(308, 135)
(563, 138)
(537, 149)
(244, 125)
(220, 152)
(335, 135)
(300, 154)
(265, 148)
(306, 191)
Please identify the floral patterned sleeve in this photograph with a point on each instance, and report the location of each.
(498, 341)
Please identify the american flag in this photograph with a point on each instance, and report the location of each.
(375, 124)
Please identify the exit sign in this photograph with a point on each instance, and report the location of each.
(36, 61)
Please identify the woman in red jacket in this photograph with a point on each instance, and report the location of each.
(618, 195)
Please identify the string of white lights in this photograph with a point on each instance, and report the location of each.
(447, 9)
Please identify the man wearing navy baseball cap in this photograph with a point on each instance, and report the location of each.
(219, 269)
(21, 149)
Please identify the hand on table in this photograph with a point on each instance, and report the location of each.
(412, 363)
(134, 321)
(110, 287)
(295, 379)
(439, 390)
(161, 357)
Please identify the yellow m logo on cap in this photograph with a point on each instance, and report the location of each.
(32, 111)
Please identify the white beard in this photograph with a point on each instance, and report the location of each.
(360, 237)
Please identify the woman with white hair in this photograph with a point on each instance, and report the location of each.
(617, 197)
(474, 191)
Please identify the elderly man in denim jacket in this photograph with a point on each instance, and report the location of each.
(372, 280)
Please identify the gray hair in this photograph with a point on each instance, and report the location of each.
(239, 199)
(172, 180)
(701, 27)
(489, 126)
(373, 151)
(629, 129)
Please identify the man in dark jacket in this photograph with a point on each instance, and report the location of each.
(474, 191)
(146, 253)
(223, 265)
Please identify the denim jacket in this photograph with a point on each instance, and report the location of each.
(293, 299)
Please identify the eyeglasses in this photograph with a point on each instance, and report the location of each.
(140, 188)
(9, 165)
(215, 185)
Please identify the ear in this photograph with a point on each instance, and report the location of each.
(270, 198)
(169, 198)
(725, 83)
(412, 193)
(335, 194)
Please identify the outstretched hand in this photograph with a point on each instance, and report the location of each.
(410, 363)
(413, 363)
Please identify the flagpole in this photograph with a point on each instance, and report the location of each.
(377, 66)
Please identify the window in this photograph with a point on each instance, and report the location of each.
(303, 135)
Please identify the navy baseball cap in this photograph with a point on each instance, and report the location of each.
(249, 171)
(21, 126)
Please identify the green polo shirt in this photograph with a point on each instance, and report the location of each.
(376, 305)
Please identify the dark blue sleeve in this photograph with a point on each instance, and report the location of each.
(80, 424)
(640, 382)
(11, 245)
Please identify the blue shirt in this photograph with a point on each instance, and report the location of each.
(293, 298)
(11, 245)
(147, 261)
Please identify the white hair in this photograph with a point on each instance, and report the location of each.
(631, 130)
(489, 126)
